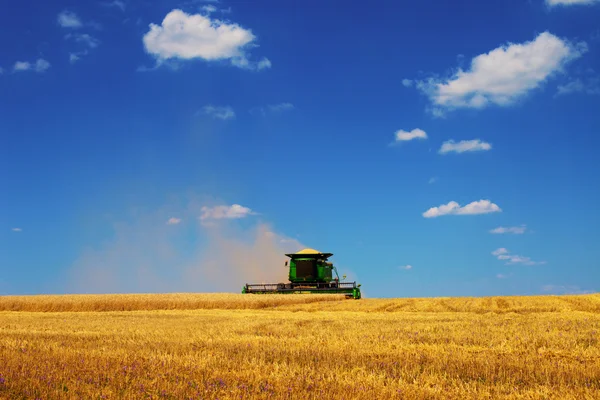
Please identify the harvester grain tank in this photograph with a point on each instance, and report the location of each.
(309, 272)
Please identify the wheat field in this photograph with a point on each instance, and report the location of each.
(229, 346)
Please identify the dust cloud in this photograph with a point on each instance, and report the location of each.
(151, 254)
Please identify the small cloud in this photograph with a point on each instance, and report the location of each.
(403, 136)
(405, 267)
(223, 113)
(234, 211)
(517, 230)
(68, 19)
(504, 255)
(115, 3)
(39, 66)
(263, 64)
(407, 82)
(272, 108)
(590, 86)
(173, 221)
(432, 180)
(502, 276)
(554, 3)
(84, 39)
(280, 107)
(22, 66)
(464, 146)
(17, 230)
(500, 251)
(209, 8)
(453, 208)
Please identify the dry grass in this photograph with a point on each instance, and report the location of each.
(525, 348)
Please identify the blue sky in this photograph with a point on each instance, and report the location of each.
(167, 146)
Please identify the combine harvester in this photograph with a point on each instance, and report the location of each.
(310, 272)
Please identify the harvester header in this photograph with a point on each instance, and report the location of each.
(309, 272)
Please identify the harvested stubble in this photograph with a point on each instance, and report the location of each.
(526, 348)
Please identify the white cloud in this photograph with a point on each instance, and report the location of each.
(40, 65)
(17, 229)
(402, 135)
(263, 64)
(407, 82)
(223, 113)
(22, 66)
(209, 8)
(68, 19)
(500, 251)
(225, 212)
(502, 276)
(185, 36)
(453, 208)
(591, 86)
(405, 267)
(173, 221)
(502, 75)
(432, 180)
(463, 146)
(504, 254)
(517, 230)
(554, 3)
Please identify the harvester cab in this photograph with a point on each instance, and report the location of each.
(309, 272)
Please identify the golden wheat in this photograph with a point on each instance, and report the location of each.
(168, 301)
(511, 347)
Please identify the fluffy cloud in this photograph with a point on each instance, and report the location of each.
(173, 221)
(402, 135)
(17, 229)
(234, 211)
(518, 230)
(40, 65)
(68, 19)
(223, 113)
(185, 36)
(504, 254)
(405, 267)
(463, 146)
(453, 208)
(502, 75)
(407, 82)
(554, 3)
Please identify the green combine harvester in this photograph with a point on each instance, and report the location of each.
(310, 272)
